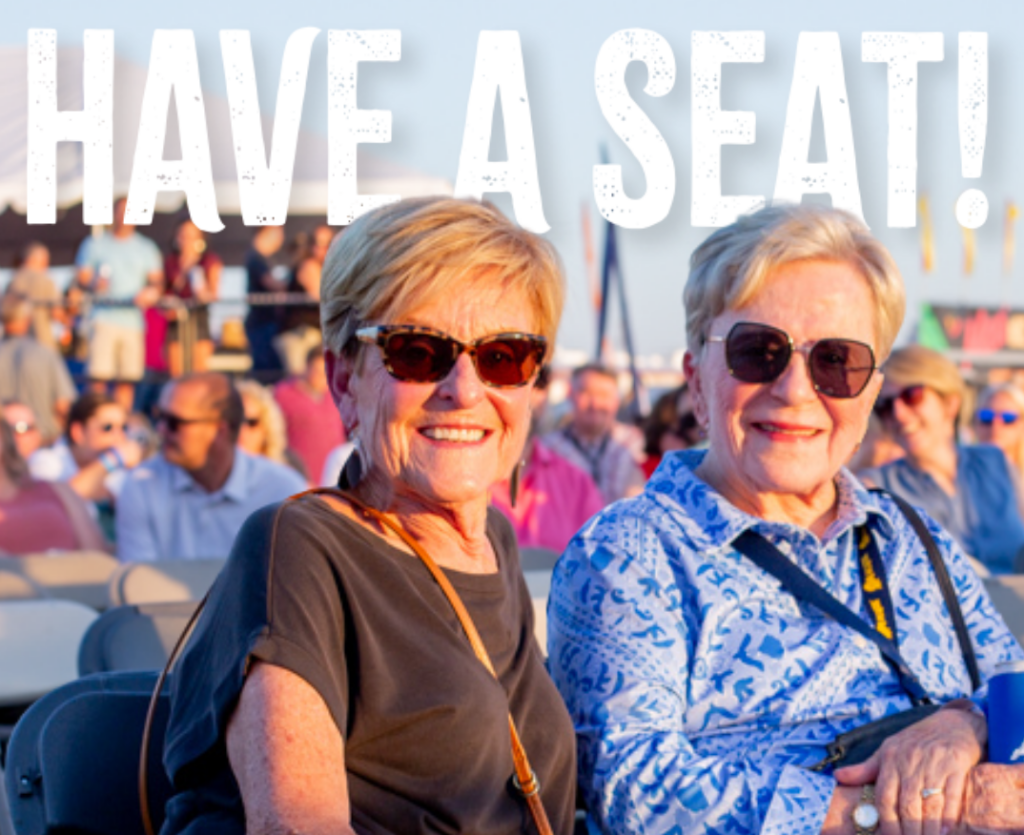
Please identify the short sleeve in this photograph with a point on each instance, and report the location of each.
(278, 600)
(84, 256)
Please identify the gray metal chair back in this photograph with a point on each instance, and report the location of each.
(163, 581)
(129, 638)
(81, 576)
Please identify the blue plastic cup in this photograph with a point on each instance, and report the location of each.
(1006, 714)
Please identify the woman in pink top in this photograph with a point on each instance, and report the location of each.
(39, 515)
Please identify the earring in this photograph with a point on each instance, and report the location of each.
(354, 470)
(513, 483)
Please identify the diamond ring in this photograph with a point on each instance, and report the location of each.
(926, 793)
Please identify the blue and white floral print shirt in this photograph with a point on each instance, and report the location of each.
(700, 690)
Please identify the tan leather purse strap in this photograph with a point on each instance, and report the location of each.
(525, 778)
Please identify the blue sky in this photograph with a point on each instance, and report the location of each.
(428, 89)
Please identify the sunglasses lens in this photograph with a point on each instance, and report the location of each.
(419, 357)
(508, 361)
(841, 368)
(756, 353)
(1009, 417)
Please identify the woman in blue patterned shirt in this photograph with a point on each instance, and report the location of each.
(700, 689)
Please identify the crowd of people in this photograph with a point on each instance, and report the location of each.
(689, 685)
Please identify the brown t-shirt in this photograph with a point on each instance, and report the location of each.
(425, 725)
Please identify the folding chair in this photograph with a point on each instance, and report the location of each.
(133, 637)
(14, 586)
(72, 763)
(163, 581)
(39, 642)
(81, 576)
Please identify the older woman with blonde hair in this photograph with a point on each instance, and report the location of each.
(336, 683)
(968, 490)
(263, 430)
(722, 632)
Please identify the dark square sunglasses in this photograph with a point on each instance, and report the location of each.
(986, 417)
(911, 396)
(756, 353)
(423, 355)
(174, 423)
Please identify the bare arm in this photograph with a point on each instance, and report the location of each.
(288, 757)
(309, 277)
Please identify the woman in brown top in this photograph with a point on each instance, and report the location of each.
(329, 687)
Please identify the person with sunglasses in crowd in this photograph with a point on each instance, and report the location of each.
(1000, 421)
(703, 687)
(190, 500)
(969, 490)
(330, 685)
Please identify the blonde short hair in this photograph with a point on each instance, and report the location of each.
(1011, 390)
(416, 251)
(916, 365)
(732, 265)
(271, 418)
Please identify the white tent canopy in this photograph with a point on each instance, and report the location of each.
(309, 185)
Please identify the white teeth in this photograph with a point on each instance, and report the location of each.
(447, 433)
(805, 433)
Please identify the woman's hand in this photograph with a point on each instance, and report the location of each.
(935, 753)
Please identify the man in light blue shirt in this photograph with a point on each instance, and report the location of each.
(189, 501)
(119, 265)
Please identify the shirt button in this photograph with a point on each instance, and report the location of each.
(860, 641)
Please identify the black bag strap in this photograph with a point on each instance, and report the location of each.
(945, 584)
(799, 584)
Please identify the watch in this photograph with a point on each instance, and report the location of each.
(865, 813)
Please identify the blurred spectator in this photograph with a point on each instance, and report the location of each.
(263, 429)
(190, 500)
(670, 426)
(310, 416)
(192, 274)
(22, 420)
(553, 498)
(262, 323)
(587, 441)
(38, 516)
(300, 323)
(32, 280)
(31, 372)
(139, 428)
(94, 453)
(878, 448)
(968, 490)
(1000, 421)
(119, 265)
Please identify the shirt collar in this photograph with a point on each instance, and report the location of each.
(235, 488)
(711, 522)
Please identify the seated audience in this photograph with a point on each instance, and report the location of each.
(190, 500)
(671, 426)
(37, 516)
(968, 490)
(701, 687)
(263, 427)
(94, 455)
(32, 372)
(588, 440)
(1000, 421)
(311, 419)
(548, 499)
(22, 420)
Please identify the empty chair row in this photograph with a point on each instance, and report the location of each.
(99, 581)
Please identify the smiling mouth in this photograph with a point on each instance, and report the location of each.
(453, 434)
(790, 431)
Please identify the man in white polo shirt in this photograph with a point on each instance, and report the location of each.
(190, 500)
